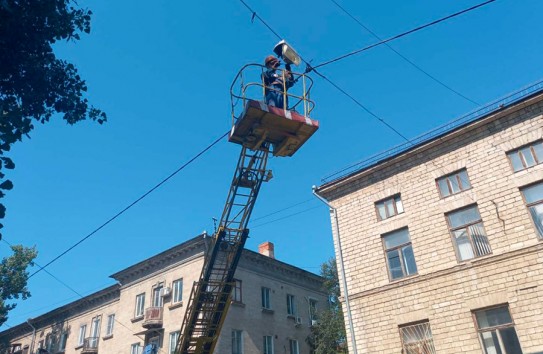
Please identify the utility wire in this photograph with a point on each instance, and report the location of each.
(75, 292)
(132, 204)
(416, 29)
(46, 271)
(404, 57)
(358, 103)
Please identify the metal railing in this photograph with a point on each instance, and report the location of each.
(249, 85)
(90, 345)
(470, 117)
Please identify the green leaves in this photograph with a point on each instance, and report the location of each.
(14, 277)
(35, 86)
(329, 336)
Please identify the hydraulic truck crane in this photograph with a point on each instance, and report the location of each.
(260, 129)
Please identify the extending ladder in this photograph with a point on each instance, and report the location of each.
(211, 295)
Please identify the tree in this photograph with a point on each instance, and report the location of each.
(329, 336)
(34, 87)
(34, 83)
(13, 277)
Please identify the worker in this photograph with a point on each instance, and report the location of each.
(276, 82)
(150, 348)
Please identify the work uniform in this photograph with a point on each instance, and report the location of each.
(273, 81)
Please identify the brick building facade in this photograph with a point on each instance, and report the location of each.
(442, 242)
(273, 306)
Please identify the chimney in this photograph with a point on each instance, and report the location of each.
(266, 249)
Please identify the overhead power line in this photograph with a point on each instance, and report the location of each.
(131, 204)
(403, 56)
(416, 29)
(337, 87)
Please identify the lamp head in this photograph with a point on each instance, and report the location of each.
(287, 53)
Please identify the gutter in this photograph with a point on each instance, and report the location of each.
(33, 335)
(335, 226)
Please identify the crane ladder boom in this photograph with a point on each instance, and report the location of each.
(210, 296)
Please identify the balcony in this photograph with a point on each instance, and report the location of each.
(153, 317)
(90, 345)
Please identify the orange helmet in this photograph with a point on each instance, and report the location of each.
(270, 59)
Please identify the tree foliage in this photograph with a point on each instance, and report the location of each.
(13, 278)
(328, 336)
(35, 84)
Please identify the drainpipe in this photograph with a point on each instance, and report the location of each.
(33, 336)
(335, 225)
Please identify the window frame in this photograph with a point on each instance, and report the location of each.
(312, 310)
(296, 345)
(139, 304)
(395, 199)
(137, 347)
(466, 226)
(177, 291)
(110, 324)
(265, 293)
(237, 294)
(265, 345)
(398, 247)
(291, 305)
(173, 338)
(449, 186)
(494, 328)
(529, 205)
(412, 324)
(522, 158)
(157, 300)
(82, 334)
(237, 338)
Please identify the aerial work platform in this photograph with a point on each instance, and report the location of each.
(286, 130)
(261, 130)
(255, 123)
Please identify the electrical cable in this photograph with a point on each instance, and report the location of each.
(132, 204)
(358, 103)
(75, 292)
(46, 271)
(281, 210)
(416, 29)
(404, 57)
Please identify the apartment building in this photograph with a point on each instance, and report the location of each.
(273, 307)
(441, 239)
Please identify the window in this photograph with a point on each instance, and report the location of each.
(94, 332)
(312, 312)
(177, 286)
(468, 234)
(266, 298)
(268, 345)
(417, 339)
(291, 305)
(399, 253)
(496, 331)
(533, 196)
(389, 207)
(135, 348)
(157, 295)
(110, 324)
(453, 183)
(174, 337)
(82, 334)
(293, 344)
(62, 341)
(237, 341)
(140, 305)
(236, 292)
(526, 156)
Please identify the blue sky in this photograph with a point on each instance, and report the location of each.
(162, 71)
